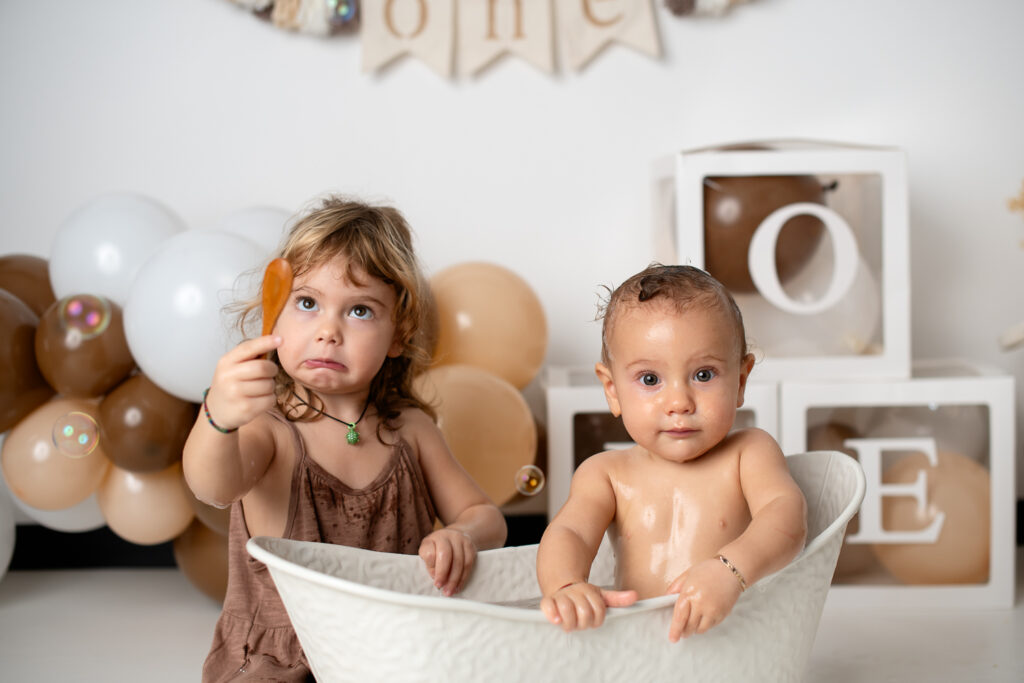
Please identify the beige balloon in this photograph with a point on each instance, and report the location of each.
(40, 473)
(488, 317)
(486, 422)
(202, 555)
(146, 507)
(957, 486)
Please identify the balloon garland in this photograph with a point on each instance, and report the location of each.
(102, 370)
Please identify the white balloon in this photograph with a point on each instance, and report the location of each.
(84, 516)
(847, 328)
(99, 249)
(174, 319)
(958, 428)
(264, 225)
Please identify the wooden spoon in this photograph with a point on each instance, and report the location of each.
(277, 287)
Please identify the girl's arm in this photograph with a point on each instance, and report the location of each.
(567, 551)
(472, 521)
(242, 390)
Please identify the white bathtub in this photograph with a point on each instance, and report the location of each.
(368, 616)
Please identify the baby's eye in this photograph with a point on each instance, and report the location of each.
(361, 312)
(704, 375)
(649, 379)
(306, 303)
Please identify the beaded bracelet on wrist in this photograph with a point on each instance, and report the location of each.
(209, 419)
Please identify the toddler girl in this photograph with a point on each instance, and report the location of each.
(326, 440)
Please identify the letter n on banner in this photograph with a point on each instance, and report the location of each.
(423, 28)
(588, 26)
(491, 28)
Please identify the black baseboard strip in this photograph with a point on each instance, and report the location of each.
(37, 547)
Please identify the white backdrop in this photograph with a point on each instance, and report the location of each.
(199, 104)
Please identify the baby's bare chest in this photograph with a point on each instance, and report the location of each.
(698, 505)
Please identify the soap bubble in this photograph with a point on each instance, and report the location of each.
(75, 434)
(529, 480)
(83, 317)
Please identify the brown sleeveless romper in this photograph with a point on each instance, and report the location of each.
(254, 640)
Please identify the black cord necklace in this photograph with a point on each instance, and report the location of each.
(353, 436)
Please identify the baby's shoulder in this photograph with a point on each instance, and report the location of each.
(751, 438)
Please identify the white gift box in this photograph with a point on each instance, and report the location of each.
(811, 239)
(936, 527)
(580, 424)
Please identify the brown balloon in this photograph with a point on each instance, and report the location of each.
(51, 474)
(22, 386)
(202, 556)
(146, 507)
(28, 278)
(80, 346)
(218, 519)
(959, 487)
(486, 422)
(855, 559)
(488, 317)
(734, 207)
(144, 428)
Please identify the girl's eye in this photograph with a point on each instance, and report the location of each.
(306, 303)
(361, 312)
(704, 375)
(649, 379)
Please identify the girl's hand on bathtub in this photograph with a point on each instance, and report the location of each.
(449, 555)
(707, 592)
(582, 605)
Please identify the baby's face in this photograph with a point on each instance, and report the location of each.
(676, 378)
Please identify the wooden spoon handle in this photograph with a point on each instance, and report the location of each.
(277, 287)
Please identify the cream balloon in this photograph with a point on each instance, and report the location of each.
(488, 317)
(44, 475)
(958, 428)
(84, 516)
(100, 248)
(486, 422)
(958, 487)
(847, 328)
(146, 507)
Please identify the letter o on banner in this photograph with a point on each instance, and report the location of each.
(761, 258)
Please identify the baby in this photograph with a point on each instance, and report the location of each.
(692, 508)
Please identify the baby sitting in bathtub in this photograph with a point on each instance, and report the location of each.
(691, 508)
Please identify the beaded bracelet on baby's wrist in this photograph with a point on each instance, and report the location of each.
(209, 419)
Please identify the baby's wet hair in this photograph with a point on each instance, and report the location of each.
(679, 286)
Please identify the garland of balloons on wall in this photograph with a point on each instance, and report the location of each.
(106, 347)
(469, 35)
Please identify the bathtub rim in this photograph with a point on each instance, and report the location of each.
(257, 548)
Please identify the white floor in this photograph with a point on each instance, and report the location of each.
(152, 625)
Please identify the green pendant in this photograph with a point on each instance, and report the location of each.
(353, 436)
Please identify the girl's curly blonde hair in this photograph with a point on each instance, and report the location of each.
(377, 241)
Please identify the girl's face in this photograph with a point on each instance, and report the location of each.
(336, 333)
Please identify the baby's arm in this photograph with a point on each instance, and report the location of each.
(472, 521)
(567, 550)
(242, 390)
(776, 533)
